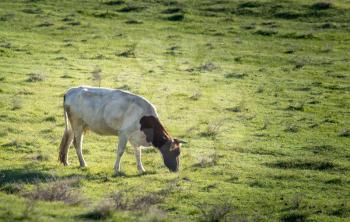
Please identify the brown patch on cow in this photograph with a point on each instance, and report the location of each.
(154, 131)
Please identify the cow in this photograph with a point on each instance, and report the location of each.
(119, 113)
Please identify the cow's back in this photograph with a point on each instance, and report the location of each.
(106, 111)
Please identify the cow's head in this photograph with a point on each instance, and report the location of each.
(157, 135)
(171, 153)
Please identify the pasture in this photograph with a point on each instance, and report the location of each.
(260, 90)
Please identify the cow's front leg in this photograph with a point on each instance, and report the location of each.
(121, 148)
(140, 168)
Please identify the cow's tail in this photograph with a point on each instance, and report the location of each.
(67, 138)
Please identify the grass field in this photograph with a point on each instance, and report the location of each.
(259, 89)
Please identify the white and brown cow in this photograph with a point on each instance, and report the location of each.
(115, 112)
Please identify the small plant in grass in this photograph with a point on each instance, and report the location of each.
(154, 214)
(260, 89)
(345, 133)
(50, 119)
(266, 32)
(327, 48)
(102, 211)
(321, 5)
(12, 188)
(290, 128)
(237, 108)
(56, 190)
(97, 76)
(16, 104)
(176, 17)
(297, 200)
(215, 212)
(295, 216)
(235, 75)
(41, 157)
(208, 67)
(119, 200)
(207, 160)
(114, 2)
(265, 124)
(196, 96)
(213, 129)
(29, 209)
(129, 53)
(35, 77)
(296, 107)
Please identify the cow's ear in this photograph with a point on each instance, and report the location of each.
(179, 141)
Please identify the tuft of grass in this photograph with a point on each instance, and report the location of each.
(288, 15)
(295, 107)
(32, 10)
(66, 76)
(213, 129)
(129, 53)
(16, 104)
(195, 96)
(102, 211)
(207, 160)
(45, 24)
(218, 212)
(266, 32)
(12, 188)
(41, 157)
(344, 133)
(321, 5)
(155, 214)
(235, 75)
(176, 17)
(29, 209)
(172, 10)
(96, 75)
(303, 164)
(131, 7)
(56, 190)
(114, 2)
(35, 77)
(291, 128)
(249, 4)
(207, 67)
(50, 119)
(133, 21)
(295, 216)
(322, 149)
(334, 181)
(298, 35)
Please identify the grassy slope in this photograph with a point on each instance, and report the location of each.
(261, 99)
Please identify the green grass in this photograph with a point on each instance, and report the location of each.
(259, 89)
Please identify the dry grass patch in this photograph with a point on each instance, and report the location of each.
(56, 190)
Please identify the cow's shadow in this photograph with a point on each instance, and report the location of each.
(28, 175)
(21, 175)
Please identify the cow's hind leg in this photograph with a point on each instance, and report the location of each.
(64, 146)
(121, 148)
(78, 143)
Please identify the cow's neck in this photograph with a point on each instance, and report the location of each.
(155, 132)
